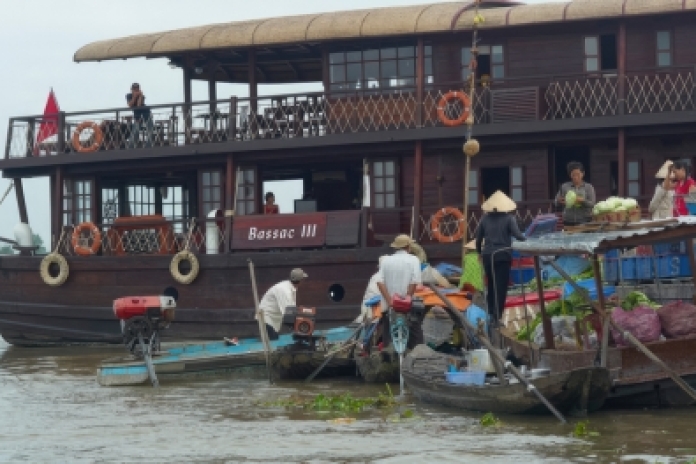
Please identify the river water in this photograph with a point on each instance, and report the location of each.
(53, 410)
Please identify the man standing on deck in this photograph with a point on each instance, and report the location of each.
(277, 298)
(141, 116)
(399, 274)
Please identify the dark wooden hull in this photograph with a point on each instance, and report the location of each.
(294, 364)
(217, 304)
(379, 367)
(637, 381)
(564, 391)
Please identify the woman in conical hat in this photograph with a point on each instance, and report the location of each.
(663, 200)
(497, 228)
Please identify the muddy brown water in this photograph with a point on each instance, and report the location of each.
(53, 410)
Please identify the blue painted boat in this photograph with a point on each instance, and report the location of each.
(204, 357)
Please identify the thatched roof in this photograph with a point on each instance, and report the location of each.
(377, 22)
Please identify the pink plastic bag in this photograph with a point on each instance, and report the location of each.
(642, 322)
(678, 319)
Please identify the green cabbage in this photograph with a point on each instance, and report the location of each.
(570, 198)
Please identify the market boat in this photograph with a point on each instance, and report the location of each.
(579, 390)
(637, 380)
(377, 147)
(212, 357)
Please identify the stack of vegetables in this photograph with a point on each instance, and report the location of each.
(617, 209)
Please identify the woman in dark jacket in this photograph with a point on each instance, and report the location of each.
(493, 243)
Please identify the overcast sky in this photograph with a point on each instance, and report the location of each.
(39, 37)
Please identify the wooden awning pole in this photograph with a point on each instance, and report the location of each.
(545, 321)
(626, 334)
(262, 322)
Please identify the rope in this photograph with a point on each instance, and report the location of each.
(7, 192)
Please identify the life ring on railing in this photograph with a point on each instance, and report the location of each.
(180, 277)
(63, 269)
(96, 143)
(446, 100)
(436, 220)
(96, 237)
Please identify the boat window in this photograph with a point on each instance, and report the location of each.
(110, 205)
(386, 68)
(175, 201)
(600, 53)
(141, 200)
(384, 183)
(246, 192)
(633, 178)
(473, 187)
(509, 180)
(211, 190)
(664, 48)
(77, 201)
(490, 63)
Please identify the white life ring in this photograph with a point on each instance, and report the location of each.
(64, 269)
(184, 279)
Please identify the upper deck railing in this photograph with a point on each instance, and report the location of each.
(535, 98)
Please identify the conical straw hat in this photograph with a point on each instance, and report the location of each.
(500, 203)
(471, 245)
(664, 170)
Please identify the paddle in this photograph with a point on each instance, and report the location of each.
(330, 356)
(262, 321)
(147, 354)
(625, 333)
(457, 317)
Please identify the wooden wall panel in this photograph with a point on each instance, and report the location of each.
(544, 55)
(640, 47)
(683, 47)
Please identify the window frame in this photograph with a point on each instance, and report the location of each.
(465, 52)
(660, 51)
(521, 186)
(71, 213)
(215, 190)
(384, 192)
(475, 191)
(597, 56)
(243, 187)
(637, 181)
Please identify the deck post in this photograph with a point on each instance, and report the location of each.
(621, 149)
(61, 132)
(229, 199)
(417, 188)
(621, 65)
(187, 105)
(596, 268)
(363, 227)
(692, 261)
(21, 203)
(8, 140)
(58, 205)
(30, 138)
(420, 82)
(253, 95)
(232, 119)
(545, 321)
(212, 107)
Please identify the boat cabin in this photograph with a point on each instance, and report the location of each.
(377, 147)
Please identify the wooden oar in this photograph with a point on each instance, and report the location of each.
(626, 334)
(331, 355)
(147, 355)
(457, 317)
(262, 322)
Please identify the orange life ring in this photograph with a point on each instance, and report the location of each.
(437, 219)
(98, 137)
(96, 236)
(451, 97)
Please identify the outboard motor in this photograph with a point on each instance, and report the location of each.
(302, 322)
(143, 317)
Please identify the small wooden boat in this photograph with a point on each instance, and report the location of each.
(582, 390)
(379, 366)
(200, 358)
(298, 361)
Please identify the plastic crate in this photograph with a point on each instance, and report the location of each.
(691, 207)
(521, 275)
(466, 378)
(590, 286)
(637, 268)
(610, 266)
(673, 266)
(674, 248)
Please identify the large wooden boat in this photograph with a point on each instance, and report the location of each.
(607, 83)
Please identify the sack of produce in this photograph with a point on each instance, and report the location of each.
(678, 319)
(563, 331)
(642, 322)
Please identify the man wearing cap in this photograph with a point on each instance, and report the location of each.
(141, 116)
(277, 298)
(494, 244)
(398, 274)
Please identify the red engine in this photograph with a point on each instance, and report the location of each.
(142, 317)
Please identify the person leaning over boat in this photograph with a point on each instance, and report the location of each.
(493, 242)
(398, 274)
(277, 298)
(141, 116)
(662, 202)
(371, 291)
(680, 182)
(581, 211)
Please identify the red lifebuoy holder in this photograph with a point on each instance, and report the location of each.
(436, 221)
(98, 135)
(446, 101)
(82, 250)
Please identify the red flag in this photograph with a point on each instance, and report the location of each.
(49, 122)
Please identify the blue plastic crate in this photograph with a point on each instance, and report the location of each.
(521, 275)
(691, 207)
(674, 248)
(673, 266)
(610, 265)
(637, 268)
(590, 286)
(466, 378)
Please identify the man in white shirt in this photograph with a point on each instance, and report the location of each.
(399, 274)
(277, 298)
(371, 291)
